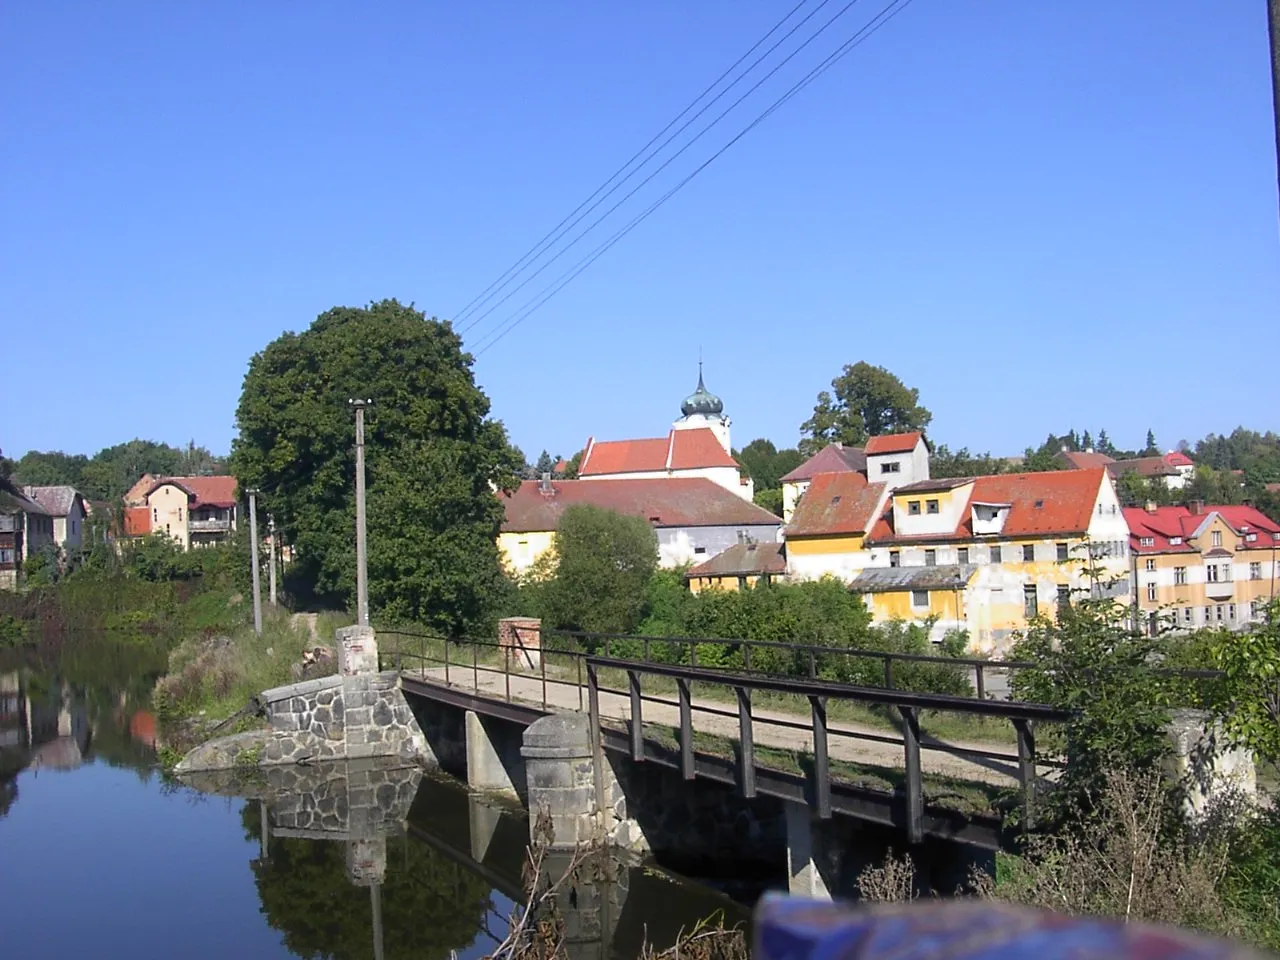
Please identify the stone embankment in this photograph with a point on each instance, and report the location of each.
(356, 714)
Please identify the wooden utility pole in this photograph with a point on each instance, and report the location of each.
(271, 560)
(362, 552)
(253, 542)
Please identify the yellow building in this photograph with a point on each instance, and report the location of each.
(1197, 566)
(741, 566)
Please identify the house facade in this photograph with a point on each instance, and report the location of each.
(697, 446)
(194, 511)
(67, 508)
(740, 567)
(1203, 566)
(833, 458)
(694, 518)
(26, 528)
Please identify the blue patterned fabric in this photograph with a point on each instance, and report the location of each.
(789, 928)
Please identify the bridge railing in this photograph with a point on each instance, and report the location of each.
(819, 693)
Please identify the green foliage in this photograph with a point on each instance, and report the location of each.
(766, 464)
(1250, 708)
(113, 470)
(770, 499)
(943, 462)
(1151, 449)
(13, 632)
(44, 567)
(431, 452)
(51, 469)
(868, 401)
(603, 562)
(1090, 662)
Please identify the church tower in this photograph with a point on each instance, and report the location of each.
(704, 410)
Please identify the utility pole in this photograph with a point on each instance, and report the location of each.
(271, 559)
(362, 550)
(253, 543)
(1273, 28)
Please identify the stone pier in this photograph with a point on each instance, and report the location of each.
(356, 714)
(561, 777)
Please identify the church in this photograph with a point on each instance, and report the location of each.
(696, 446)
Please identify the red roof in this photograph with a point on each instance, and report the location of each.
(836, 503)
(1086, 459)
(892, 443)
(1143, 466)
(833, 458)
(679, 450)
(137, 521)
(1040, 505)
(1163, 523)
(1176, 458)
(663, 501)
(205, 491)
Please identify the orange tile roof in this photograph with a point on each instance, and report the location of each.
(892, 443)
(663, 501)
(1040, 505)
(137, 521)
(679, 450)
(836, 503)
(205, 491)
(833, 458)
(1085, 459)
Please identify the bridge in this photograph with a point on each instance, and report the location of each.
(798, 760)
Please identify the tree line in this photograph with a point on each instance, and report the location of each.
(110, 472)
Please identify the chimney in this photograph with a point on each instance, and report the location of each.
(1151, 506)
(545, 486)
(1196, 507)
(1088, 450)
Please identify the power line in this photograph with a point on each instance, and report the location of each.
(671, 159)
(887, 13)
(552, 235)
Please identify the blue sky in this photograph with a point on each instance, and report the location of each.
(1042, 215)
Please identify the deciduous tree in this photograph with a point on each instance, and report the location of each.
(866, 401)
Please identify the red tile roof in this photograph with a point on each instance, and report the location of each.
(679, 450)
(1143, 466)
(663, 501)
(137, 521)
(836, 503)
(1176, 458)
(743, 559)
(1085, 459)
(833, 458)
(1164, 523)
(205, 491)
(892, 443)
(1040, 505)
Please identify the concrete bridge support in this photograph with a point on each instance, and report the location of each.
(494, 764)
(806, 862)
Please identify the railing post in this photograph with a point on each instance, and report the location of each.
(399, 641)
(693, 655)
(813, 665)
(981, 681)
(746, 657)
(506, 670)
(422, 656)
(597, 746)
(1026, 767)
(915, 785)
(821, 765)
(647, 658)
(637, 717)
(686, 730)
(578, 660)
(475, 666)
(446, 662)
(606, 646)
(888, 672)
(542, 663)
(746, 736)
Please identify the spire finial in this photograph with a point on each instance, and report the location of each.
(700, 386)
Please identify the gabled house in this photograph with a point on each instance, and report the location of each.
(194, 511)
(741, 566)
(897, 459)
(829, 526)
(833, 458)
(1174, 469)
(25, 529)
(694, 518)
(1203, 566)
(67, 508)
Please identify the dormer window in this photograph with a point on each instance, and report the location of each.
(913, 508)
(931, 506)
(1175, 541)
(1147, 541)
(892, 466)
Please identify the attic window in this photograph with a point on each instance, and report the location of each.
(1147, 541)
(1175, 540)
(655, 519)
(1039, 503)
(834, 501)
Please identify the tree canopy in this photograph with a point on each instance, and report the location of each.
(110, 472)
(431, 452)
(867, 401)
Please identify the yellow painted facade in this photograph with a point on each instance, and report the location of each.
(731, 583)
(823, 546)
(899, 605)
(169, 504)
(519, 551)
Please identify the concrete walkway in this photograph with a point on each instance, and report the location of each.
(562, 695)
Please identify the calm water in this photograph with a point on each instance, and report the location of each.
(100, 856)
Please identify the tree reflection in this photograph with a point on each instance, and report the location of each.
(431, 905)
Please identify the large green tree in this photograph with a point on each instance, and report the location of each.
(865, 401)
(603, 564)
(766, 464)
(433, 454)
(53, 468)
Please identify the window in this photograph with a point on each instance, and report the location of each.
(913, 508)
(931, 558)
(1175, 541)
(699, 549)
(1226, 571)
(1231, 612)
(1030, 604)
(742, 582)
(1151, 592)
(1187, 616)
(73, 526)
(1217, 538)
(893, 466)
(6, 555)
(1218, 613)
(155, 515)
(1208, 615)
(931, 506)
(1063, 553)
(166, 529)
(962, 555)
(1146, 541)
(1250, 537)
(920, 599)
(895, 558)
(995, 553)
(1255, 571)
(1255, 608)
(1211, 572)
(1028, 552)
(1151, 564)
(1064, 596)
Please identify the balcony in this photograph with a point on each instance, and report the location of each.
(1220, 589)
(208, 526)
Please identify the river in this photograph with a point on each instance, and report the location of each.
(102, 855)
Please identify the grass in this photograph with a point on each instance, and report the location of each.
(964, 796)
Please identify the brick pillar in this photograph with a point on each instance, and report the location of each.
(357, 651)
(522, 638)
